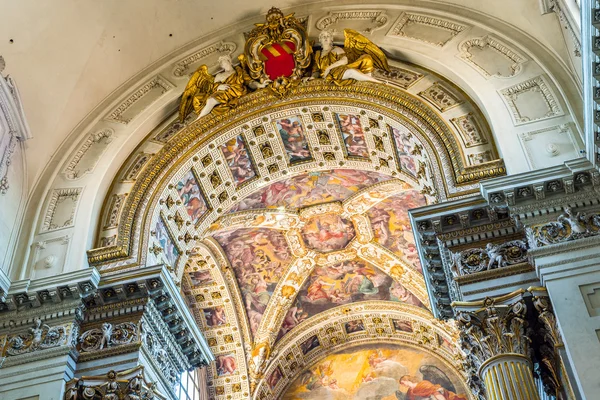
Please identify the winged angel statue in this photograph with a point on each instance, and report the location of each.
(278, 55)
(355, 62)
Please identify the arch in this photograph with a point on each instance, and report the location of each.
(449, 172)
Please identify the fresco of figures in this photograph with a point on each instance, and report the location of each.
(200, 278)
(191, 196)
(327, 233)
(215, 316)
(381, 371)
(403, 149)
(353, 135)
(259, 258)
(170, 251)
(312, 188)
(343, 283)
(226, 364)
(391, 224)
(294, 139)
(238, 159)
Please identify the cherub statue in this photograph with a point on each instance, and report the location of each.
(577, 221)
(205, 92)
(495, 255)
(355, 61)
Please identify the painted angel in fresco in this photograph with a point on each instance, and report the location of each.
(354, 62)
(205, 93)
(435, 385)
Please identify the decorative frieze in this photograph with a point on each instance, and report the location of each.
(366, 21)
(491, 257)
(108, 335)
(39, 337)
(570, 225)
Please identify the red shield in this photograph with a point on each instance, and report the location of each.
(278, 59)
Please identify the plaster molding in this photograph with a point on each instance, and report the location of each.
(539, 86)
(405, 19)
(511, 55)
(182, 67)
(57, 197)
(377, 18)
(102, 137)
(157, 82)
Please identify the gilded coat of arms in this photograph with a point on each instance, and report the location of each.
(278, 55)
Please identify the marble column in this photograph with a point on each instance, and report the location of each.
(494, 337)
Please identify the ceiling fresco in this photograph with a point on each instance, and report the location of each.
(391, 226)
(310, 188)
(385, 372)
(258, 257)
(289, 215)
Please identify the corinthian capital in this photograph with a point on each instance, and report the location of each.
(493, 327)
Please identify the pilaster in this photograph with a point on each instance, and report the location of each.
(127, 334)
(563, 233)
(139, 319)
(39, 327)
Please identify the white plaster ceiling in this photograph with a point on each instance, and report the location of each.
(68, 55)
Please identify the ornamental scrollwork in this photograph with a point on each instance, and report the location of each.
(108, 335)
(160, 355)
(494, 330)
(125, 385)
(568, 226)
(39, 337)
(493, 256)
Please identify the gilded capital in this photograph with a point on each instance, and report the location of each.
(493, 327)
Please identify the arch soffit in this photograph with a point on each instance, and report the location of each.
(444, 172)
(426, 334)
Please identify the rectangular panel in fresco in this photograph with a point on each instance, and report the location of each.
(402, 326)
(200, 278)
(354, 326)
(215, 316)
(310, 344)
(170, 250)
(294, 140)
(226, 364)
(191, 196)
(274, 378)
(403, 150)
(353, 135)
(238, 159)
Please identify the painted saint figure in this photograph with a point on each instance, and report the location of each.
(425, 390)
